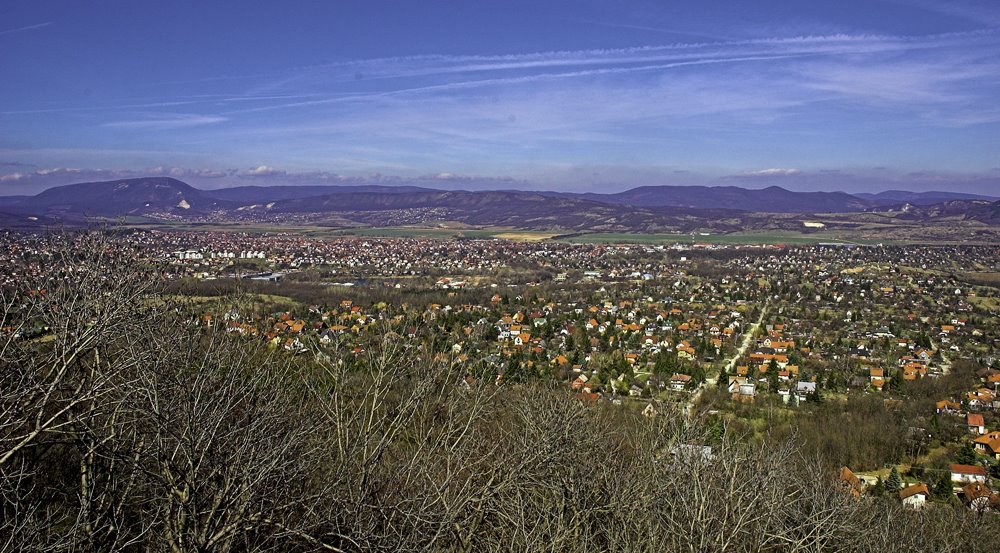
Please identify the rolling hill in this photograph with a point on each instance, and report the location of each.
(492, 208)
(642, 209)
(119, 197)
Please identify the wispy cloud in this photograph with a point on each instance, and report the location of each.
(262, 171)
(759, 100)
(931, 74)
(772, 172)
(41, 178)
(428, 65)
(26, 28)
(845, 65)
(168, 122)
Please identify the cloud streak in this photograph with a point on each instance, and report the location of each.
(773, 172)
(169, 122)
(26, 28)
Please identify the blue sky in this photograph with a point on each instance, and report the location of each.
(586, 95)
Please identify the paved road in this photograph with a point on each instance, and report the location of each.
(713, 379)
(945, 364)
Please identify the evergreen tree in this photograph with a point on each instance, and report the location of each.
(942, 485)
(723, 382)
(893, 483)
(879, 488)
(666, 363)
(966, 455)
(697, 375)
(896, 383)
(772, 377)
(814, 397)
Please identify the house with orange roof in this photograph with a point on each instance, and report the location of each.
(947, 406)
(679, 381)
(993, 381)
(688, 353)
(980, 498)
(967, 473)
(850, 482)
(981, 398)
(914, 496)
(975, 423)
(913, 371)
(989, 444)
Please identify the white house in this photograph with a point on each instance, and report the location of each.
(967, 474)
(914, 496)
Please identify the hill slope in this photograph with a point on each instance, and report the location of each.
(897, 197)
(118, 197)
(499, 208)
(266, 194)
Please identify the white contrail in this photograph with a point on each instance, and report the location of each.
(28, 28)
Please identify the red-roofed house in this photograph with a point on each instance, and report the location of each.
(975, 423)
(948, 406)
(851, 483)
(989, 444)
(967, 473)
(679, 381)
(914, 496)
(979, 497)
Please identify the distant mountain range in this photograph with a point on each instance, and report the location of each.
(772, 200)
(646, 208)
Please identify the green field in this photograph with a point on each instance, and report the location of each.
(412, 232)
(323, 231)
(305, 230)
(748, 237)
(770, 237)
(415, 232)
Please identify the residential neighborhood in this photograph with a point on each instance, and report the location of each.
(758, 339)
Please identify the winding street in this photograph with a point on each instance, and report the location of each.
(713, 379)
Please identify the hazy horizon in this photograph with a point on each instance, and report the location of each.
(234, 179)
